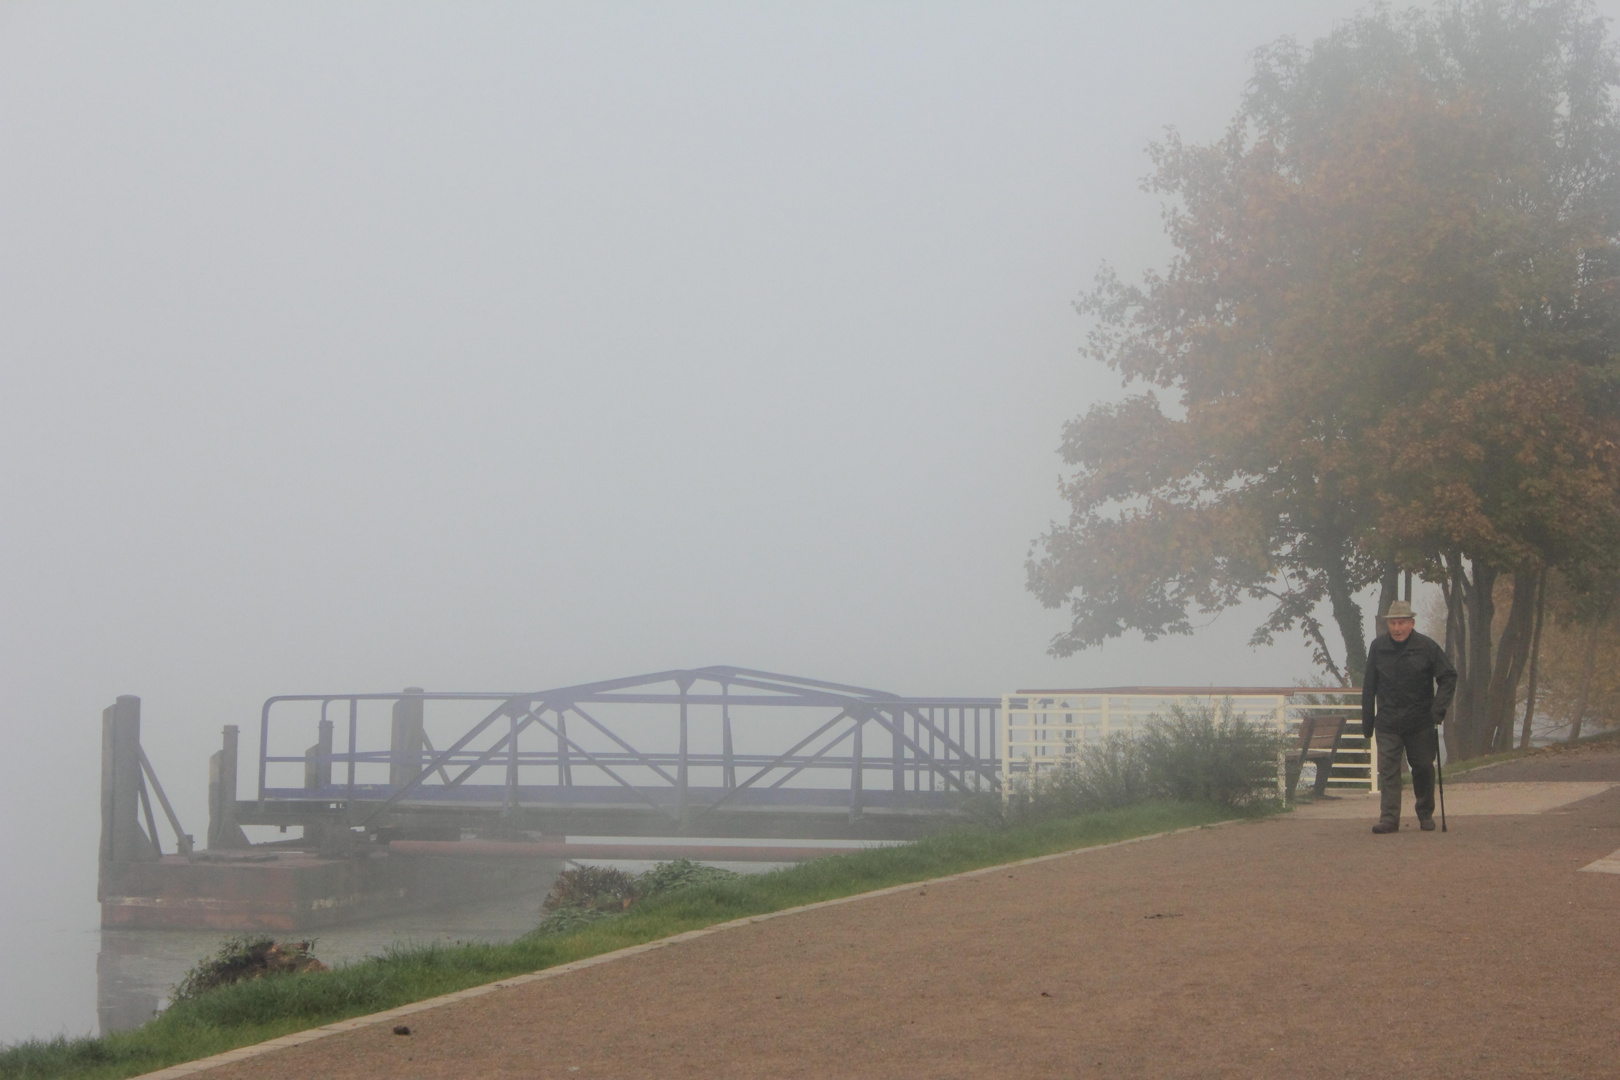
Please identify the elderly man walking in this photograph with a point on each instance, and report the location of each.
(1404, 697)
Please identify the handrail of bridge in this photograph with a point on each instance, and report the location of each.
(943, 756)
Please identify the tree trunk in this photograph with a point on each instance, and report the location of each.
(1586, 680)
(1473, 689)
(1605, 607)
(1347, 615)
(1389, 590)
(1455, 589)
(1512, 655)
(1535, 659)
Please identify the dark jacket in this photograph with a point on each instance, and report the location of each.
(1407, 687)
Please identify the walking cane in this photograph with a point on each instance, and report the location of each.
(1440, 778)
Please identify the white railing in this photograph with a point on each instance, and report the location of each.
(1041, 727)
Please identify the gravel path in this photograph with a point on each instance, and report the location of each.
(1295, 947)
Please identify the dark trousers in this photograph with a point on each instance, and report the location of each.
(1420, 751)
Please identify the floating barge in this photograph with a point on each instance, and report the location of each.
(323, 880)
(394, 825)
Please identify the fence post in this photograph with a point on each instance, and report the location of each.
(1003, 751)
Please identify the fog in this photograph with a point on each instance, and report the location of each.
(504, 346)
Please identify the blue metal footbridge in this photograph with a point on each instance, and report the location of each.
(718, 751)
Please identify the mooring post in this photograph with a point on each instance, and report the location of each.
(122, 840)
(318, 758)
(223, 831)
(405, 742)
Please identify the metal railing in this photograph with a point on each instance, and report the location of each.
(1042, 727)
(676, 742)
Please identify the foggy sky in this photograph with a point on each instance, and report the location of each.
(504, 346)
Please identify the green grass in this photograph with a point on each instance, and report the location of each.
(1460, 767)
(251, 1012)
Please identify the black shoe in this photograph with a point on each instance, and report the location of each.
(1426, 824)
(1387, 827)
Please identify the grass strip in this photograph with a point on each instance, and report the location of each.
(1549, 750)
(251, 1012)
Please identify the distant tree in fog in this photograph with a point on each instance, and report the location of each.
(1389, 339)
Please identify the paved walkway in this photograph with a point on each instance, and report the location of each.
(1469, 800)
(1296, 947)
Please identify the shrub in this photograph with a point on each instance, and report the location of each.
(1047, 794)
(598, 888)
(1105, 775)
(1204, 754)
(242, 957)
(1112, 773)
(567, 920)
(680, 874)
(1195, 753)
(587, 894)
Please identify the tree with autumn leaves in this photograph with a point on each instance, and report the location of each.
(1389, 340)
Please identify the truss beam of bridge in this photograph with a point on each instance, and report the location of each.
(715, 750)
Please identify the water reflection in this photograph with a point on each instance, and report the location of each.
(136, 969)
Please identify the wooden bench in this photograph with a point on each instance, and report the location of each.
(1318, 742)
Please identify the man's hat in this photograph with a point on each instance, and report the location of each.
(1399, 609)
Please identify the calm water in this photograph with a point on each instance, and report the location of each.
(136, 968)
(66, 976)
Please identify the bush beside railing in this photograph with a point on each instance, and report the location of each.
(1194, 753)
